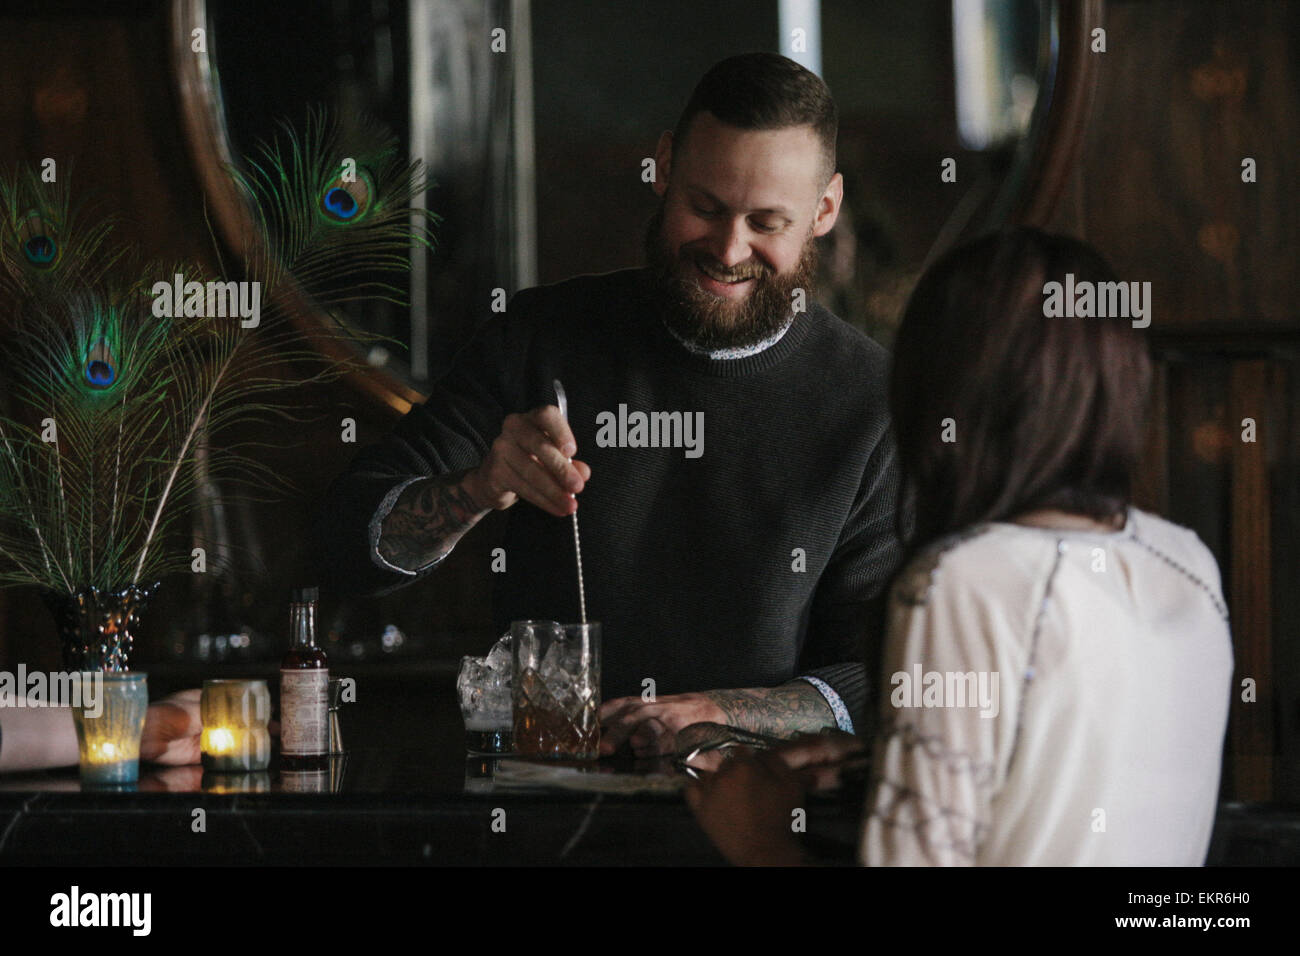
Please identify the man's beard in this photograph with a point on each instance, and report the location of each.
(715, 323)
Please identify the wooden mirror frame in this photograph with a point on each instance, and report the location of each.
(1051, 162)
(203, 121)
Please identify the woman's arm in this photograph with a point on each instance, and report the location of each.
(35, 738)
(39, 738)
(951, 679)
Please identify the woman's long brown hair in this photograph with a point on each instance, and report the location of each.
(1041, 412)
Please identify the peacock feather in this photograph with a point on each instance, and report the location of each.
(332, 210)
(47, 239)
(106, 405)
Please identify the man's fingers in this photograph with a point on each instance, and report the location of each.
(545, 447)
(534, 484)
(617, 733)
(612, 708)
(630, 721)
(612, 737)
(651, 738)
(548, 419)
(614, 728)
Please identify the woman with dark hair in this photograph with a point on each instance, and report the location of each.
(1057, 670)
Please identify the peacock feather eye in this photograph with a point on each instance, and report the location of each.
(37, 241)
(344, 201)
(101, 367)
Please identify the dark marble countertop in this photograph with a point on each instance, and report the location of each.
(407, 793)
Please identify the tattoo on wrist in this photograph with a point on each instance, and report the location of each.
(783, 711)
(427, 520)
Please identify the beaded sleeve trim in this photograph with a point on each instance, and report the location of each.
(1209, 591)
(941, 827)
(842, 718)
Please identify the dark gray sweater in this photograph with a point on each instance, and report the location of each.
(691, 554)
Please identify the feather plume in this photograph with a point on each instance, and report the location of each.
(108, 402)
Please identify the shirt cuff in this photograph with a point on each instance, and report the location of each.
(842, 718)
(377, 527)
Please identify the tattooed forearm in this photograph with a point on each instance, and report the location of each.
(427, 520)
(783, 711)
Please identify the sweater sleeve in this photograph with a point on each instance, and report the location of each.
(846, 625)
(450, 432)
(951, 681)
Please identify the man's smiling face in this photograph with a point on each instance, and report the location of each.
(734, 235)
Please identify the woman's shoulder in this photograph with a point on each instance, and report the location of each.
(1180, 550)
(1004, 560)
(1166, 539)
(993, 557)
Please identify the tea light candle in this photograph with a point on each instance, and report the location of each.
(109, 728)
(235, 738)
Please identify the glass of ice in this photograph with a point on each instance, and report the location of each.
(485, 702)
(556, 689)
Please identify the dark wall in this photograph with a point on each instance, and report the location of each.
(1185, 91)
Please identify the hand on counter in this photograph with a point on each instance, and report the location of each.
(171, 730)
(746, 807)
(649, 728)
(45, 738)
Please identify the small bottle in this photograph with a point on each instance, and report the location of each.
(304, 690)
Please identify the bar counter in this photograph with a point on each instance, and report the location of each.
(406, 793)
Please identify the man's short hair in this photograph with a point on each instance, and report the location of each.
(765, 91)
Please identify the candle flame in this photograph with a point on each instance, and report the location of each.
(218, 740)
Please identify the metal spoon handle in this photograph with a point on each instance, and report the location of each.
(563, 403)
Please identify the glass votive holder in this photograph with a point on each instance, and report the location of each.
(109, 725)
(217, 782)
(235, 737)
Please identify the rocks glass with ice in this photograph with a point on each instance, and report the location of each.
(485, 702)
(556, 689)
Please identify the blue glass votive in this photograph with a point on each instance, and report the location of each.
(110, 720)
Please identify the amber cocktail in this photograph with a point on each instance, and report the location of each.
(556, 689)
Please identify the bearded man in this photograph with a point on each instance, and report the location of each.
(727, 442)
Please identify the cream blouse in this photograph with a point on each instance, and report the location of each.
(1052, 698)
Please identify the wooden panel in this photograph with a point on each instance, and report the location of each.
(1151, 484)
(1252, 726)
(1283, 436)
(1185, 91)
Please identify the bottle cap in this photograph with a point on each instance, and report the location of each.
(306, 595)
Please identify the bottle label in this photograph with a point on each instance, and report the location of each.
(304, 712)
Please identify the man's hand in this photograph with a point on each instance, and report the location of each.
(532, 459)
(172, 728)
(650, 728)
(746, 808)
